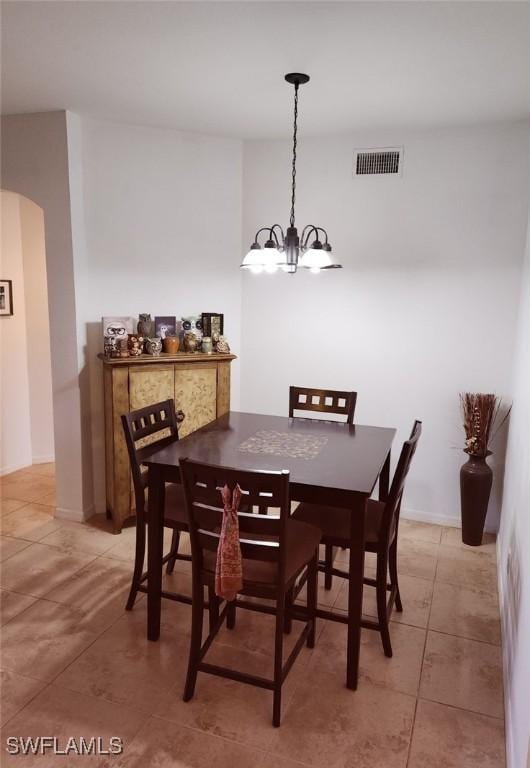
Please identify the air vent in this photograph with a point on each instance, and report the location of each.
(377, 162)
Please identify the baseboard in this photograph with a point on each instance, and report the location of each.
(44, 459)
(429, 517)
(13, 468)
(74, 515)
(446, 520)
(508, 734)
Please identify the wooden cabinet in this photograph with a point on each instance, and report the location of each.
(200, 386)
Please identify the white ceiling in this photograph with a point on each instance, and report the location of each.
(218, 67)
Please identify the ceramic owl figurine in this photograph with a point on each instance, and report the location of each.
(193, 324)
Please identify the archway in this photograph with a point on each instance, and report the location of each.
(26, 412)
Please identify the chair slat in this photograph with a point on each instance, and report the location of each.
(327, 401)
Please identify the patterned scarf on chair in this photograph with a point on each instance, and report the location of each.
(229, 566)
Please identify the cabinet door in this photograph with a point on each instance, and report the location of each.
(196, 395)
(148, 385)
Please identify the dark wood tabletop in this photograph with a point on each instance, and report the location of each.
(328, 455)
(330, 463)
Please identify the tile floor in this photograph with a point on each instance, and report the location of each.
(75, 663)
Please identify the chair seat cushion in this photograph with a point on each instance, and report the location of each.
(301, 544)
(335, 522)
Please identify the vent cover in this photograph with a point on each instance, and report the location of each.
(376, 162)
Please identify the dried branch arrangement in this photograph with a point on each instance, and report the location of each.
(479, 412)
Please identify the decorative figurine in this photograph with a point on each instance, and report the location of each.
(110, 346)
(153, 346)
(193, 324)
(135, 345)
(191, 342)
(222, 345)
(145, 326)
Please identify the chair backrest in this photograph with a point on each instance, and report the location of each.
(393, 504)
(262, 536)
(146, 429)
(328, 401)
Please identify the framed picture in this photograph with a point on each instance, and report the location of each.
(117, 327)
(212, 323)
(6, 298)
(165, 326)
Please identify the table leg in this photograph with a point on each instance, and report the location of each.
(155, 543)
(355, 594)
(384, 480)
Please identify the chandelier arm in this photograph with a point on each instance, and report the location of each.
(263, 229)
(295, 131)
(273, 231)
(321, 229)
(309, 229)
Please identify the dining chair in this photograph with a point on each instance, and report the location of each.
(275, 551)
(146, 429)
(327, 401)
(382, 523)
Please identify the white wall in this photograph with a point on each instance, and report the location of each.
(514, 545)
(425, 306)
(156, 223)
(37, 331)
(35, 164)
(15, 425)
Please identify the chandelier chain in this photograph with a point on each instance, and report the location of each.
(295, 131)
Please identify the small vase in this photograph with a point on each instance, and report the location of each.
(153, 346)
(171, 344)
(145, 326)
(476, 478)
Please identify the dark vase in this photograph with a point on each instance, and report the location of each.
(476, 478)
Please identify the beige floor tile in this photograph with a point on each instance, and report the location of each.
(123, 667)
(124, 544)
(465, 612)
(11, 604)
(467, 568)
(15, 692)
(42, 640)
(445, 737)
(325, 597)
(9, 547)
(452, 537)
(236, 711)
(46, 470)
(64, 714)
(417, 558)
(329, 726)
(38, 569)
(98, 592)
(159, 745)
(416, 597)
(71, 537)
(463, 673)
(10, 505)
(27, 489)
(49, 500)
(33, 522)
(413, 529)
(400, 673)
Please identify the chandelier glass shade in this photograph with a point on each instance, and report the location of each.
(287, 251)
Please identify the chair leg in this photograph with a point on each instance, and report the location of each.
(231, 615)
(278, 661)
(139, 556)
(197, 611)
(392, 567)
(288, 620)
(312, 576)
(328, 565)
(382, 604)
(175, 540)
(213, 607)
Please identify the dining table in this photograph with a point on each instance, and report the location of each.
(330, 463)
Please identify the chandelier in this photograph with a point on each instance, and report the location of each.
(288, 251)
